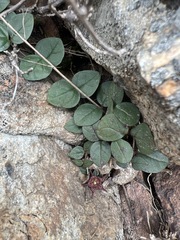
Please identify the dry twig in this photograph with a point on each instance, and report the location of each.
(82, 16)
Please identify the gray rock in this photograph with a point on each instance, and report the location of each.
(41, 196)
(29, 112)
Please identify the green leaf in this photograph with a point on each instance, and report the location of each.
(122, 151)
(52, 49)
(100, 153)
(110, 129)
(39, 66)
(77, 162)
(116, 93)
(122, 165)
(4, 38)
(9, 16)
(87, 81)
(70, 126)
(87, 145)
(109, 91)
(87, 163)
(127, 113)
(23, 23)
(90, 132)
(4, 4)
(152, 163)
(83, 170)
(102, 94)
(62, 94)
(87, 114)
(110, 107)
(144, 138)
(76, 152)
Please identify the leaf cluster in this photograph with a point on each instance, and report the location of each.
(23, 23)
(107, 130)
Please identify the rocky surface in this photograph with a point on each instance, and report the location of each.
(29, 112)
(149, 70)
(41, 192)
(42, 197)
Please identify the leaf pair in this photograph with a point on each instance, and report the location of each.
(77, 154)
(52, 49)
(62, 94)
(99, 153)
(23, 23)
(108, 92)
(148, 159)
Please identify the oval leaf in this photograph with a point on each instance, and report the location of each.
(76, 152)
(39, 67)
(109, 91)
(90, 132)
(4, 38)
(87, 114)
(70, 126)
(83, 170)
(23, 23)
(110, 129)
(100, 153)
(102, 94)
(62, 94)
(122, 151)
(87, 163)
(122, 165)
(4, 4)
(127, 113)
(52, 49)
(87, 145)
(77, 162)
(87, 81)
(152, 163)
(144, 138)
(116, 93)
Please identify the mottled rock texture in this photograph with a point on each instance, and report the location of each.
(41, 196)
(30, 113)
(150, 69)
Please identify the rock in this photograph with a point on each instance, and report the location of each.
(124, 175)
(149, 70)
(29, 112)
(42, 197)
